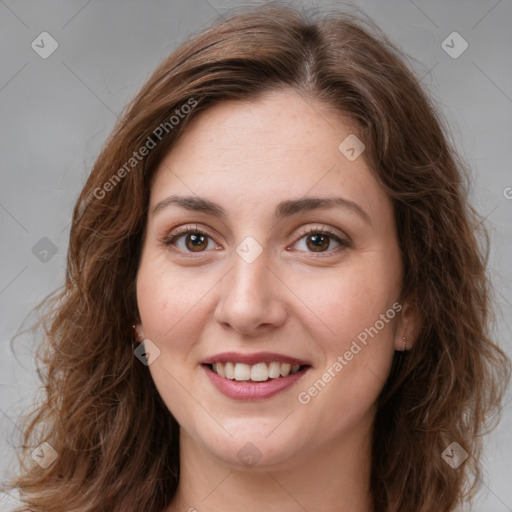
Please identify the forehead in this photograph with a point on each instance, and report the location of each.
(280, 121)
(279, 146)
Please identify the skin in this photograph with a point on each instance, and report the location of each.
(247, 157)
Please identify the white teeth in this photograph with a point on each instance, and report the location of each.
(274, 370)
(242, 371)
(259, 372)
(285, 369)
(229, 370)
(219, 368)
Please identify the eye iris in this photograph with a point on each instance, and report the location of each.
(320, 242)
(198, 242)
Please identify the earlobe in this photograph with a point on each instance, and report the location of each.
(138, 333)
(401, 346)
(407, 328)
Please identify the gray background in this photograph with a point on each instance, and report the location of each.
(57, 112)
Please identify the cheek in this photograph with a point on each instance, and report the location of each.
(356, 304)
(352, 297)
(357, 357)
(169, 300)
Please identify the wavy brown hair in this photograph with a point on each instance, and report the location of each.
(116, 441)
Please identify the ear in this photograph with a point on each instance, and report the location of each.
(138, 332)
(408, 327)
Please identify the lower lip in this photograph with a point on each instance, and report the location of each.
(246, 390)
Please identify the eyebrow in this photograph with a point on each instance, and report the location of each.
(284, 209)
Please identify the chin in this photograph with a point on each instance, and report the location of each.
(255, 449)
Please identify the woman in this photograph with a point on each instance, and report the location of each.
(275, 296)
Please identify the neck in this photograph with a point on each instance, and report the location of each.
(336, 478)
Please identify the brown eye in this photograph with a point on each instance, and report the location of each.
(196, 242)
(321, 242)
(318, 242)
(190, 240)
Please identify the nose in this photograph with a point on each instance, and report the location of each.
(252, 298)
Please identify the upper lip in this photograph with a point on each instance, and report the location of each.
(254, 358)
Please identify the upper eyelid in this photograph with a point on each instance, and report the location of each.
(187, 228)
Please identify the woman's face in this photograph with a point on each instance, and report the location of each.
(269, 278)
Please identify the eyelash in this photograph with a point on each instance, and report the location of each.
(185, 230)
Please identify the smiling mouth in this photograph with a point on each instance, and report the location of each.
(259, 372)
